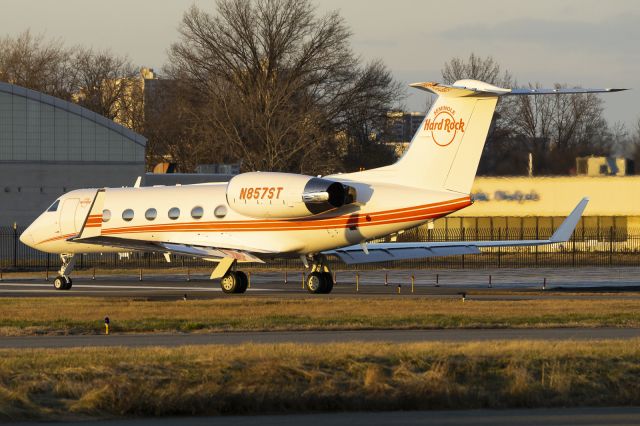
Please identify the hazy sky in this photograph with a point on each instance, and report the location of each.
(592, 43)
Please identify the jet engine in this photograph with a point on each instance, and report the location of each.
(285, 195)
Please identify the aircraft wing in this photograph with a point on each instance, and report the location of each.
(382, 252)
(208, 253)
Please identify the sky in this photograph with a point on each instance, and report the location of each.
(588, 43)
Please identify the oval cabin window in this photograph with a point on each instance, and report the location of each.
(174, 213)
(106, 215)
(127, 215)
(197, 212)
(220, 212)
(151, 214)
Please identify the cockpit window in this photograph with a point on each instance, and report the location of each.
(54, 206)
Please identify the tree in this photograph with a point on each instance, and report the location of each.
(476, 68)
(270, 83)
(101, 81)
(501, 155)
(558, 128)
(107, 84)
(555, 129)
(31, 62)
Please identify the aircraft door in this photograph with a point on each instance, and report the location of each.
(68, 216)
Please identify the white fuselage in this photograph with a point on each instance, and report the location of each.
(380, 209)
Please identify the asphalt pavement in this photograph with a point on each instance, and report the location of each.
(519, 283)
(316, 337)
(581, 416)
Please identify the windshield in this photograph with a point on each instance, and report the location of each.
(54, 206)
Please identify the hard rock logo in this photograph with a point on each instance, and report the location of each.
(443, 126)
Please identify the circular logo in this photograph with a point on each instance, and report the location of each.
(444, 136)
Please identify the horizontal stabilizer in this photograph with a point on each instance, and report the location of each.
(463, 88)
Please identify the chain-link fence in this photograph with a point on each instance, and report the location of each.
(588, 247)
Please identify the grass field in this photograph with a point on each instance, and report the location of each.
(26, 316)
(89, 383)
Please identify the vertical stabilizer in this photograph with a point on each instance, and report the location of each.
(445, 151)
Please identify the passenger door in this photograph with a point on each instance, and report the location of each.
(68, 216)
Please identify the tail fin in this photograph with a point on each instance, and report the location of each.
(445, 152)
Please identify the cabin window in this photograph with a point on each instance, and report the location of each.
(54, 206)
(127, 215)
(106, 215)
(174, 213)
(220, 211)
(151, 214)
(197, 212)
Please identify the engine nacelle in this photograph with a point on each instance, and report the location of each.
(285, 195)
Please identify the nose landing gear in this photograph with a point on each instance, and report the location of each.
(63, 281)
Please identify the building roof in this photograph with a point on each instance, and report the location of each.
(72, 108)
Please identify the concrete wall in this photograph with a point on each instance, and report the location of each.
(27, 189)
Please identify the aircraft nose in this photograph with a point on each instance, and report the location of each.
(27, 237)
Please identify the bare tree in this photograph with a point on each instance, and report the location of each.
(554, 129)
(277, 86)
(502, 155)
(98, 80)
(107, 84)
(558, 128)
(476, 68)
(34, 63)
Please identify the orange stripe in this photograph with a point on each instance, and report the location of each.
(59, 237)
(345, 222)
(354, 220)
(335, 219)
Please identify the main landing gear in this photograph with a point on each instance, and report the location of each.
(320, 280)
(63, 281)
(231, 281)
(234, 282)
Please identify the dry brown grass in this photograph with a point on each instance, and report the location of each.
(286, 378)
(85, 315)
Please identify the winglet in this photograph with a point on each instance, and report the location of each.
(92, 226)
(566, 228)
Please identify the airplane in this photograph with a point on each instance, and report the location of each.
(256, 216)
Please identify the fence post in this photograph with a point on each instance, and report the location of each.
(15, 245)
(499, 249)
(463, 254)
(610, 245)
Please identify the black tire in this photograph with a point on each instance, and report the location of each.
(328, 282)
(316, 283)
(243, 282)
(59, 283)
(69, 283)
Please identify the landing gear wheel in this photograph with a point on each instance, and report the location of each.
(243, 282)
(328, 282)
(62, 283)
(234, 282)
(317, 283)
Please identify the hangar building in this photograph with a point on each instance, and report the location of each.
(49, 146)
